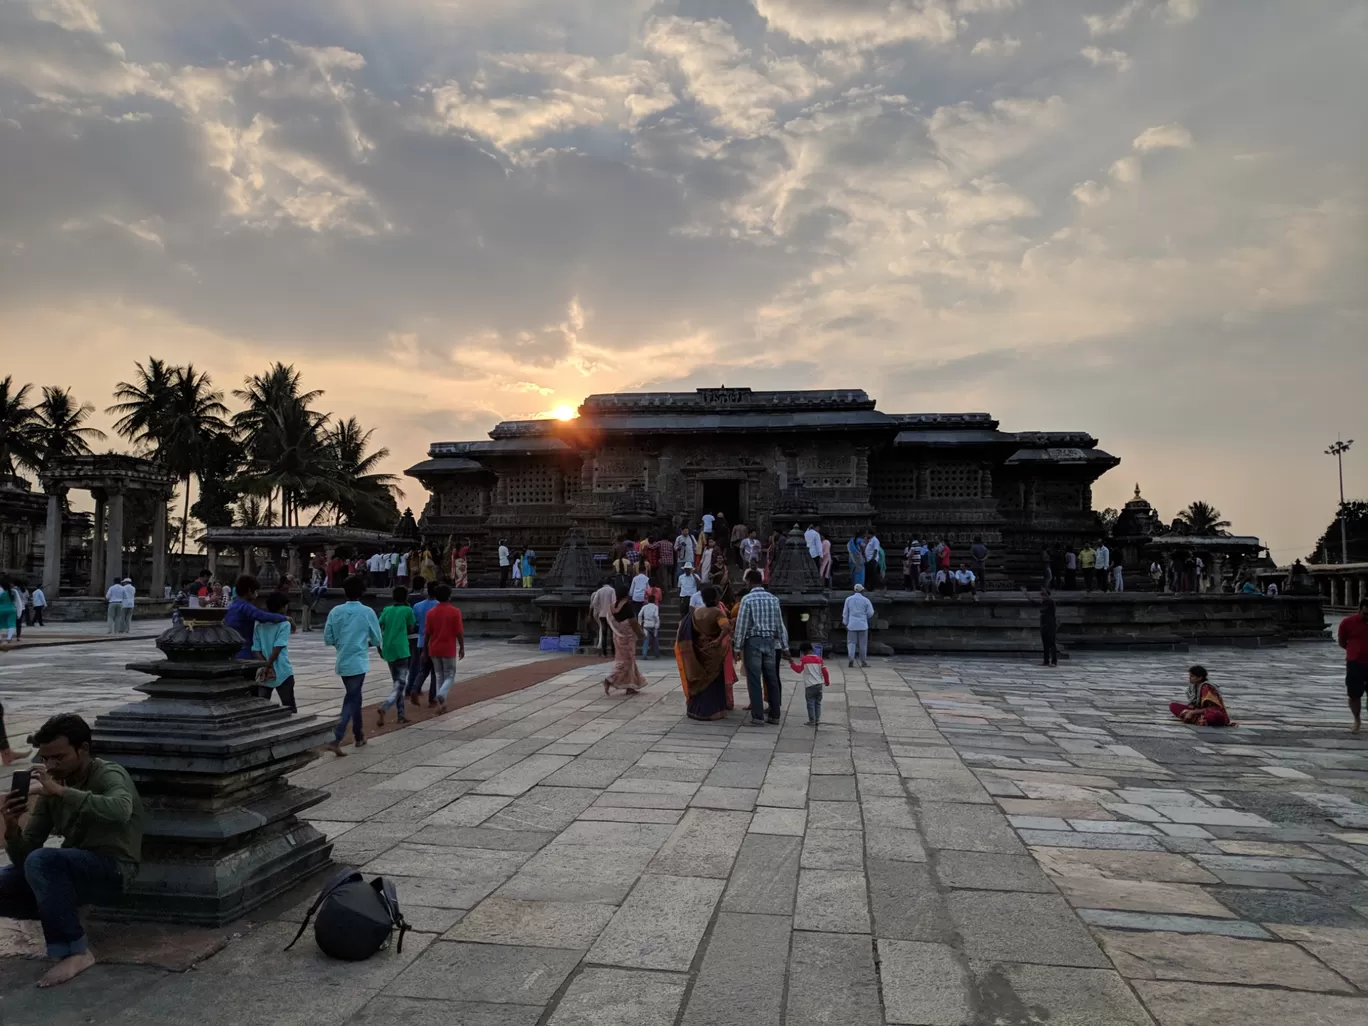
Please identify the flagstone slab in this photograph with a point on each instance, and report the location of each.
(832, 788)
(541, 924)
(739, 799)
(1289, 907)
(495, 973)
(832, 980)
(387, 1010)
(779, 821)
(584, 772)
(1058, 809)
(737, 981)
(1271, 864)
(923, 984)
(1188, 1004)
(572, 872)
(1141, 896)
(1012, 992)
(1153, 921)
(1033, 928)
(764, 878)
(1209, 959)
(1093, 841)
(888, 812)
(1121, 865)
(833, 849)
(704, 843)
(613, 814)
(834, 901)
(1343, 950)
(906, 903)
(969, 828)
(660, 924)
(471, 810)
(959, 790)
(982, 871)
(894, 844)
(620, 997)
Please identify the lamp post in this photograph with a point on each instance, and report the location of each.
(1337, 450)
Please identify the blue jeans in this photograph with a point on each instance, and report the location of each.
(52, 885)
(814, 703)
(420, 669)
(650, 640)
(762, 665)
(351, 708)
(399, 674)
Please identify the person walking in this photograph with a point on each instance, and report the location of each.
(649, 619)
(1070, 568)
(397, 621)
(600, 608)
(8, 616)
(759, 635)
(39, 606)
(665, 561)
(529, 566)
(420, 664)
(640, 585)
(688, 588)
(353, 630)
(1118, 578)
(856, 615)
(685, 548)
(1353, 638)
(813, 538)
(1087, 561)
(824, 563)
(626, 632)
(1049, 629)
(113, 607)
(856, 557)
(874, 561)
(16, 594)
(815, 677)
(1102, 564)
(271, 642)
(978, 559)
(94, 807)
(445, 642)
(243, 616)
(130, 595)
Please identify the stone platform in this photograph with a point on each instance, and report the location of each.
(964, 841)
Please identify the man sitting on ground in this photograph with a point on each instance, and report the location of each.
(93, 805)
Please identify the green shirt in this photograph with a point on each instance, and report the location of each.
(396, 622)
(101, 813)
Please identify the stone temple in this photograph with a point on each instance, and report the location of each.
(631, 463)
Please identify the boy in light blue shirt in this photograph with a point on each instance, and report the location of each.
(270, 641)
(353, 630)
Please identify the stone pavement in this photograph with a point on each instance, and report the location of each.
(963, 841)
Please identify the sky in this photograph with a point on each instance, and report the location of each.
(1140, 218)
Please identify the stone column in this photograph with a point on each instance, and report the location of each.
(114, 546)
(248, 561)
(159, 550)
(52, 547)
(292, 564)
(213, 559)
(97, 550)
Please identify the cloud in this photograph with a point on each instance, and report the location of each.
(1004, 47)
(1126, 170)
(1179, 12)
(1117, 21)
(1115, 58)
(1090, 194)
(866, 22)
(1163, 137)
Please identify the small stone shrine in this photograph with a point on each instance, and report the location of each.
(210, 761)
(800, 590)
(573, 577)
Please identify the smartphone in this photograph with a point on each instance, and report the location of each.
(20, 783)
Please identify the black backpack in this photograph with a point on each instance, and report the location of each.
(355, 918)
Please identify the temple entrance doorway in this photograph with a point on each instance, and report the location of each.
(723, 496)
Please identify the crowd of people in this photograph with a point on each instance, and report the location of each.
(20, 607)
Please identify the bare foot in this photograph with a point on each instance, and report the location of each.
(336, 748)
(10, 756)
(68, 968)
(1357, 726)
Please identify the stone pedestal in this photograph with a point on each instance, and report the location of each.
(210, 760)
(800, 590)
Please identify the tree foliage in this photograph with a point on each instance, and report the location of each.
(1328, 547)
(1202, 518)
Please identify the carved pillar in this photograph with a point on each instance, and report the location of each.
(985, 483)
(248, 560)
(114, 546)
(557, 485)
(52, 546)
(159, 550)
(97, 550)
(293, 563)
(501, 490)
(213, 559)
(923, 482)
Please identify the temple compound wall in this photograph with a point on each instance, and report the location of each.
(638, 462)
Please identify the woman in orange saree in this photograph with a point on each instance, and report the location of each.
(1205, 707)
(703, 654)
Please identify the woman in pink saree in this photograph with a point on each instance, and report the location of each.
(626, 637)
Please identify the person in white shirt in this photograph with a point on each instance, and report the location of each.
(20, 599)
(1199, 565)
(1118, 578)
(126, 610)
(708, 520)
(600, 608)
(696, 600)
(706, 562)
(965, 580)
(685, 549)
(856, 614)
(813, 538)
(1102, 563)
(401, 570)
(649, 618)
(114, 595)
(39, 604)
(504, 565)
(688, 588)
(873, 566)
(944, 583)
(639, 585)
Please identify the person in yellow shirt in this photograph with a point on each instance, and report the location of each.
(1087, 559)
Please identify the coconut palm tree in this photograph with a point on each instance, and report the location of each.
(281, 434)
(1203, 518)
(18, 423)
(194, 417)
(355, 490)
(142, 404)
(60, 429)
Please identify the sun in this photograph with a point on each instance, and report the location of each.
(564, 412)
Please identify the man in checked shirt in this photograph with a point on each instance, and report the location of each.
(759, 635)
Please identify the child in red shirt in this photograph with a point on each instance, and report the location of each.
(815, 677)
(444, 641)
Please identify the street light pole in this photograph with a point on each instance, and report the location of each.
(1338, 450)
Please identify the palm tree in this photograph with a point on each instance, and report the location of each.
(358, 492)
(1204, 519)
(281, 434)
(60, 429)
(193, 418)
(142, 405)
(18, 422)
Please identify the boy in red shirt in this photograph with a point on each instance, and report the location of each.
(815, 677)
(1353, 638)
(444, 641)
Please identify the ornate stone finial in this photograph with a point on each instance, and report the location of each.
(794, 569)
(1137, 489)
(574, 568)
